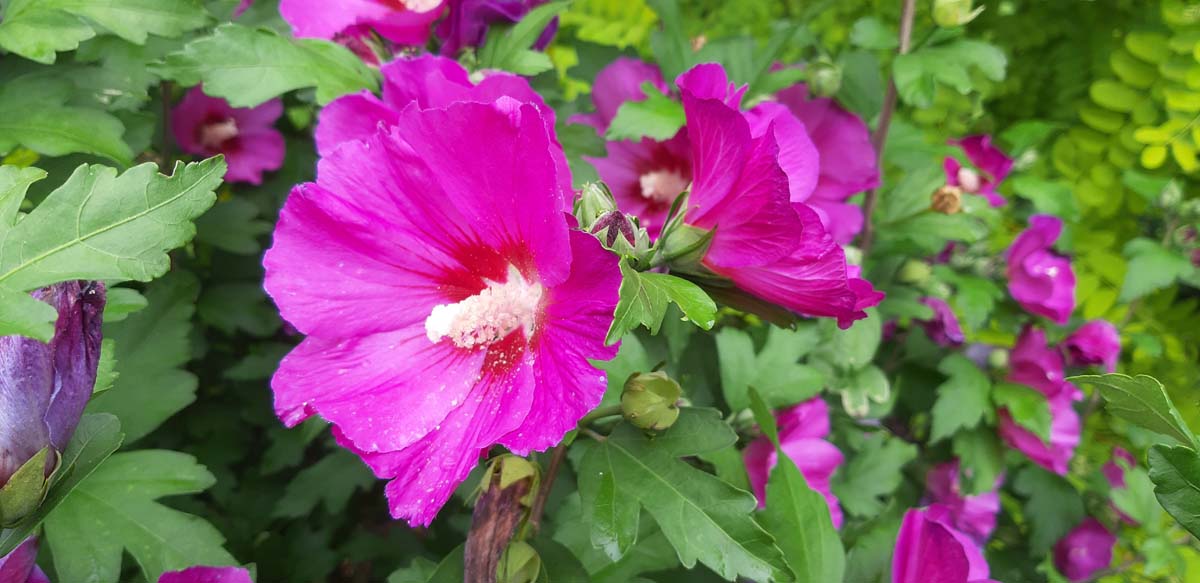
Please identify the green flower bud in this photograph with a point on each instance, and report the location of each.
(684, 248)
(27, 487)
(952, 13)
(520, 563)
(914, 272)
(595, 201)
(511, 469)
(824, 78)
(998, 358)
(650, 400)
(1171, 196)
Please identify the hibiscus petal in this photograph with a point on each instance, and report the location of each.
(797, 155)
(351, 117)
(256, 153)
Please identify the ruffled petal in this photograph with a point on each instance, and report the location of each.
(708, 81)
(253, 154)
(797, 155)
(407, 27)
(351, 117)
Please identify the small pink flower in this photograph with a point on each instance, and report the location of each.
(1115, 474)
(943, 328)
(20, 566)
(447, 304)
(991, 168)
(405, 22)
(1041, 280)
(207, 575)
(802, 432)
(1084, 551)
(974, 515)
(207, 126)
(1034, 364)
(1096, 342)
(930, 550)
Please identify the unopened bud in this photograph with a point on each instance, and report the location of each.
(824, 78)
(685, 247)
(952, 13)
(914, 272)
(595, 201)
(947, 200)
(520, 563)
(650, 400)
(1171, 196)
(998, 358)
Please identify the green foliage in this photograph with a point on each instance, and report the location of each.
(962, 400)
(510, 51)
(918, 74)
(1052, 506)
(873, 473)
(1027, 406)
(658, 117)
(646, 296)
(1175, 471)
(34, 113)
(774, 371)
(1144, 401)
(37, 29)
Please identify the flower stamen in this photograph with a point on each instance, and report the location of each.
(488, 316)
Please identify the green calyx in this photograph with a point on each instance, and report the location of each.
(27, 487)
(520, 563)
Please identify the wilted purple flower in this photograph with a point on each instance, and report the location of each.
(943, 328)
(208, 126)
(1096, 342)
(1041, 280)
(1088, 548)
(206, 575)
(44, 387)
(467, 22)
(974, 515)
(20, 566)
(802, 432)
(930, 550)
(991, 168)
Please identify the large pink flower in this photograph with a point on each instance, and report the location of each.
(766, 244)
(1041, 280)
(1036, 365)
(207, 575)
(1088, 548)
(802, 432)
(1096, 342)
(207, 126)
(848, 163)
(974, 515)
(930, 550)
(447, 303)
(406, 22)
(20, 566)
(991, 168)
(429, 82)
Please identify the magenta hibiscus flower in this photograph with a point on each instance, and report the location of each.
(207, 126)
(991, 168)
(207, 575)
(20, 566)
(1088, 548)
(429, 82)
(943, 328)
(763, 243)
(1096, 342)
(802, 432)
(447, 303)
(1036, 365)
(1041, 280)
(930, 550)
(405, 22)
(974, 515)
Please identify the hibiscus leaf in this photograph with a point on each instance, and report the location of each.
(1141, 400)
(508, 46)
(96, 437)
(248, 66)
(329, 482)
(1175, 471)
(962, 401)
(704, 518)
(797, 515)
(1151, 267)
(34, 113)
(872, 473)
(232, 226)
(775, 371)
(37, 29)
(1052, 506)
(644, 298)
(1028, 407)
(115, 510)
(658, 117)
(918, 74)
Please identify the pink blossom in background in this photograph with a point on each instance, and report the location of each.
(930, 550)
(974, 515)
(404, 22)
(848, 162)
(943, 329)
(1033, 363)
(207, 575)
(207, 126)
(1096, 342)
(1036, 365)
(242, 7)
(618, 82)
(448, 306)
(1040, 279)
(429, 82)
(467, 22)
(802, 432)
(1115, 474)
(766, 245)
(20, 566)
(1087, 549)
(991, 167)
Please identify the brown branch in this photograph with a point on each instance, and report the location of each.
(879, 137)
(539, 503)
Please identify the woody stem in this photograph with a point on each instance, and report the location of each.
(539, 503)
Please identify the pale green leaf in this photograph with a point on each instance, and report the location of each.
(962, 401)
(1141, 400)
(34, 113)
(657, 116)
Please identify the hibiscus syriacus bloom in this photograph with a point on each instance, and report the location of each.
(802, 432)
(973, 515)
(991, 168)
(448, 306)
(405, 22)
(1035, 365)
(207, 575)
(467, 22)
(207, 126)
(1041, 280)
(930, 550)
(766, 244)
(45, 386)
(429, 82)
(20, 566)
(1096, 342)
(1088, 548)
(943, 328)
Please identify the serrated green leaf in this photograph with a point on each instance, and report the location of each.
(1052, 506)
(980, 459)
(917, 74)
(115, 510)
(644, 298)
(1028, 407)
(962, 400)
(232, 226)
(872, 33)
(854, 347)
(248, 66)
(330, 482)
(508, 47)
(1175, 471)
(658, 117)
(1141, 400)
(619, 23)
(1048, 197)
(37, 29)
(34, 113)
(872, 473)
(775, 371)
(1136, 498)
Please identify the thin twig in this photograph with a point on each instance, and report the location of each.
(539, 503)
(879, 137)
